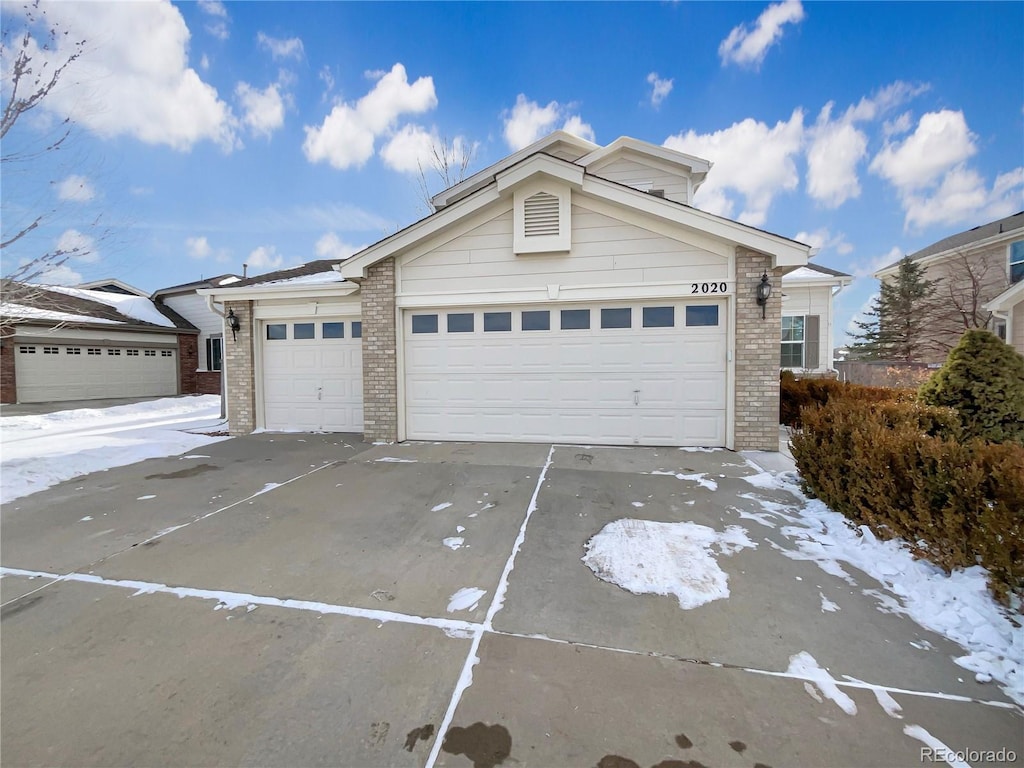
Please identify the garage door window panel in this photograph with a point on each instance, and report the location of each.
(333, 330)
(460, 322)
(497, 321)
(701, 315)
(575, 319)
(659, 317)
(304, 331)
(617, 318)
(357, 330)
(536, 320)
(424, 323)
(277, 331)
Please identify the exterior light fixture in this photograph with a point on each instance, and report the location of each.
(234, 325)
(764, 290)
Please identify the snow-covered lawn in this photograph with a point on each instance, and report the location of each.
(41, 451)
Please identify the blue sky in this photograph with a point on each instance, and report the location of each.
(211, 134)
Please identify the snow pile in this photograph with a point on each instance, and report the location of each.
(700, 478)
(957, 605)
(467, 598)
(42, 451)
(19, 311)
(645, 557)
(136, 307)
(317, 278)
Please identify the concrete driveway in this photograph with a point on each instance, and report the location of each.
(306, 600)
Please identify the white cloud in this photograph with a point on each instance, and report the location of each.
(940, 142)
(330, 246)
(213, 8)
(78, 245)
(861, 315)
(823, 240)
(76, 188)
(747, 47)
(413, 149)
(867, 269)
(346, 136)
(134, 83)
(204, 62)
(750, 159)
(263, 111)
(198, 247)
(59, 275)
(898, 125)
(660, 89)
(265, 257)
(328, 79)
(836, 149)
(528, 121)
(934, 181)
(281, 48)
(218, 25)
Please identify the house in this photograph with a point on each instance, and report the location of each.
(186, 302)
(570, 292)
(807, 320)
(63, 343)
(979, 272)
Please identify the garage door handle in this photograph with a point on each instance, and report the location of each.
(636, 397)
(319, 393)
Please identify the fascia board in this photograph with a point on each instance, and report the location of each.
(1007, 298)
(255, 293)
(356, 266)
(784, 253)
(1002, 237)
(561, 170)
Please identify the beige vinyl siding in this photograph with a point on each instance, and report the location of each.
(641, 176)
(605, 250)
(812, 301)
(193, 308)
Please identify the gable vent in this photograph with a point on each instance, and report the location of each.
(540, 215)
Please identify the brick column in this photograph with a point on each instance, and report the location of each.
(188, 361)
(757, 355)
(8, 379)
(238, 360)
(380, 367)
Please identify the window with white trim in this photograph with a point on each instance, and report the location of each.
(1017, 261)
(214, 353)
(792, 342)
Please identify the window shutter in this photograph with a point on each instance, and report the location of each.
(812, 341)
(540, 215)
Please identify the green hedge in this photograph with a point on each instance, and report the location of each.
(903, 470)
(796, 394)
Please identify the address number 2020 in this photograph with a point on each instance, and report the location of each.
(707, 287)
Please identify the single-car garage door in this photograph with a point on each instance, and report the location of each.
(313, 375)
(55, 372)
(632, 373)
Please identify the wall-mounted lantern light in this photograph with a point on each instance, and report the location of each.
(234, 325)
(764, 290)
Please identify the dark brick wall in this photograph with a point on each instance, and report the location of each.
(208, 382)
(8, 380)
(188, 361)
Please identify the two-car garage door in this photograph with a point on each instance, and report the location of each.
(651, 373)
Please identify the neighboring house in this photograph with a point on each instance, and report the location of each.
(807, 318)
(184, 300)
(79, 344)
(979, 272)
(570, 292)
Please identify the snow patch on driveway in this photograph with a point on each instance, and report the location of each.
(805, 666)
(646, 557)
(466, 598)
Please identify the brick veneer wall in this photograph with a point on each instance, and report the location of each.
(757, 355)
(188, 361)
(208, 382)
(8, 379)
(380, 371)
(240, 374)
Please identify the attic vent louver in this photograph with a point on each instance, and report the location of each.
(540, 215)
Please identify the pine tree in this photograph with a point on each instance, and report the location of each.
(900, 322)
(983, 379)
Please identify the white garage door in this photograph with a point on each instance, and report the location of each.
(54, 372)
(313, 375)
(632, 373)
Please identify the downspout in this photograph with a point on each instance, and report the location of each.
(836, 290)
(223, 358)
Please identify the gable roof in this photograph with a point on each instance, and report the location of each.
(817, 273)
(966, 238)
(696, 167)
(48, 305)
(112, 285)
(787, 251)
(320, 266)
(209, 282)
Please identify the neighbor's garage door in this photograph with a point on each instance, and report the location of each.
(644, 374)
(47, 373)
(313, 375)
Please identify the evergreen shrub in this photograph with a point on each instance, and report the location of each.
(796, 394)
(905, 470)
